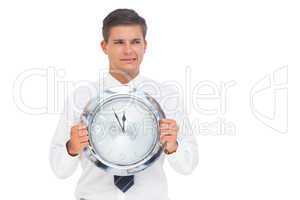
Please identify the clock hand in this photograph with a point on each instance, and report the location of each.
(118, 119)
(123, 119)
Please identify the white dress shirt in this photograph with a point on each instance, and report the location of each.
(95, 183)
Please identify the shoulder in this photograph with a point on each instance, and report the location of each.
(169, 94)
(80, 93)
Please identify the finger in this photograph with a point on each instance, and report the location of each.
(168, 128)
(85, 144)
(172, 125)
(84, 138)
(168, 135)
(76, 129)
(167, 121)
(81, 126)
(84, 141)
(168, 138)
(168, 132)
(83, 133)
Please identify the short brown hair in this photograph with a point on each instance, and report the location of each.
(122, 17)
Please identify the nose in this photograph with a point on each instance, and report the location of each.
(127, 48)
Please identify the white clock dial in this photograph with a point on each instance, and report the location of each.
(127, 128)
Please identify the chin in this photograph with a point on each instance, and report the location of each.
(129, 69)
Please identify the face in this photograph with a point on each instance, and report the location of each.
(125, 49)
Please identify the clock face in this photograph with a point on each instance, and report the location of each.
(123, 131)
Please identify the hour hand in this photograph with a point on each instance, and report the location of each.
(118, 120)
(123, 119)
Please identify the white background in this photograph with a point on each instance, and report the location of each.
(221, 41)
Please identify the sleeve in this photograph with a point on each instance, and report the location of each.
(185, 159)
(63, 164)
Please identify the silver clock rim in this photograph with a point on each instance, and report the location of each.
(89, 114)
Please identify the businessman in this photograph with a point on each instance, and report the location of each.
(124, 43)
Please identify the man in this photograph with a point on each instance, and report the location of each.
(124, 33)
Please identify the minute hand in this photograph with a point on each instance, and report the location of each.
(118, 120)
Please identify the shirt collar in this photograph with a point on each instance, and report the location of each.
(109, 81)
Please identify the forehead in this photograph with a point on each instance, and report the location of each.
(126, 32)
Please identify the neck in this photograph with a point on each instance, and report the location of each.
(123, 77)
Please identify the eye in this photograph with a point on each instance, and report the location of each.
(136, 42)
(118, 42)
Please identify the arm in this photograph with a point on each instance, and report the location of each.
(183, 151)
(181, 147)
(185, 159)
(62, 163)
(67, 143)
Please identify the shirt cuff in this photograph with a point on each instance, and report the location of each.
(182, 160)
(175, 154)
(69, 157)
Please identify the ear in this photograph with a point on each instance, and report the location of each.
(104, 46)
(145, 46)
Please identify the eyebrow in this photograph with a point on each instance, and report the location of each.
(133, 40)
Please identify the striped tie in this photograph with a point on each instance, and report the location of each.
(124, 182)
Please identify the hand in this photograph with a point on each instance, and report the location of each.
(168, 134)
(79, 139)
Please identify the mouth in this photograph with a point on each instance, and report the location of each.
(128, 60)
